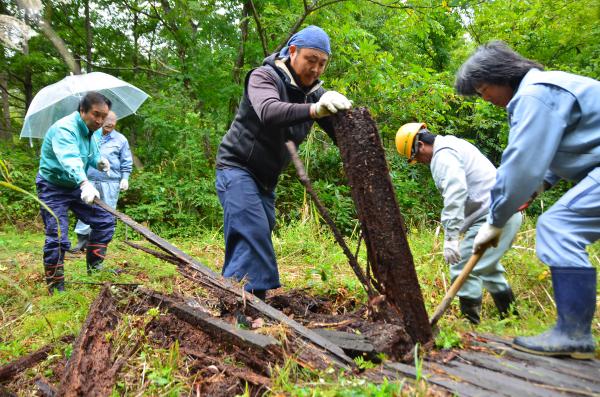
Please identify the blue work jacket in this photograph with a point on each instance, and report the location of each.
(115, 148)
(554, 120)
(67, 152)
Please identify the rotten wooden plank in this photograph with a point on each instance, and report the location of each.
(212, 326)
(10, 370)
(533, 373)
(354, 345)
(381, 221)
(88, 371)
(221, 286)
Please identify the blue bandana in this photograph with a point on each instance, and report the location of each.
(310, 37)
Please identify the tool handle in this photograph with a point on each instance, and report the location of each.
(456, 285)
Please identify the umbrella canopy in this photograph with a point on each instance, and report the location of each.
(61, 99)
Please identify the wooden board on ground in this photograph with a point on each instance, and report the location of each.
(490, 366)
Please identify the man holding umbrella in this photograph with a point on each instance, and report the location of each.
(62, 184)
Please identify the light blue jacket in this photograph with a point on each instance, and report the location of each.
(554, 120)
(115, 148)
(67, 152)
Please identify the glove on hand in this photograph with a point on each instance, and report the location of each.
(88, 192)
(124, 184)
(487, 235)
(451, 252)
(329, 103)
(103, 165)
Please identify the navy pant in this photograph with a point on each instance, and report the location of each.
(248, 220)
(60, 200)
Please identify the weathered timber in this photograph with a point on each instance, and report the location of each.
(354, 345)
(223, 287)
(381, 222)
(325, 214)
(45, 389)
(212, 326)
(159, 255)
(10, 370)
(88, 371)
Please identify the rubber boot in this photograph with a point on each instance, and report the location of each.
(82, 241)
(95, 256)
(575, 296)
(470, 308)
(505, 303)
(55, 277)
(260, 294)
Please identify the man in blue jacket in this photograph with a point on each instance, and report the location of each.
(62, 184)
(115, 148)
(554, 120)
(281, 101)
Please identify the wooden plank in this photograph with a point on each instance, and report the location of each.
(581, 369)
(532, 373)
(495, 381)
(8, 371)
(395, 370)
(212, 326)
(220, 285)
(353, 344)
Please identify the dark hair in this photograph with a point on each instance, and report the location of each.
(493, 63)
(93, 98)
(427, 137)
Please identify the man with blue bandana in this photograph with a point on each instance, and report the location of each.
(62, 184)
(281, 101)
(554, 120)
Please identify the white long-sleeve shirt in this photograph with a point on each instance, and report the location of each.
(465, 177)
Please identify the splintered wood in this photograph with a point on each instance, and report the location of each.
(381, 222)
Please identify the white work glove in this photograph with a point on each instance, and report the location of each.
(88, 192)
(329, 103)
(451, 252)
(124, 184)
(487, 235)
(103, 165)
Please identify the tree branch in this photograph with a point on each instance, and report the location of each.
(259, 29)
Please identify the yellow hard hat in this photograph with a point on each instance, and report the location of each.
(405, 140)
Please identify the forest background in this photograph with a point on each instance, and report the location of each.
(397, 58)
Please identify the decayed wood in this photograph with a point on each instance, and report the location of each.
(159, 255)
(325, 214)
(45, 389)
(223, 287)
(381, 222)
(212, 326)
(8, 371)
(354, 345)
(88, 371)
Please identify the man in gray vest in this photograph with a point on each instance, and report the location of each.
(281, 101)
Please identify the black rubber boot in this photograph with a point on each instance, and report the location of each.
(575, 296)
(82, 241)
(505, 303)
(95, 256)
(260, 294)
(55, 277)
(470, 308)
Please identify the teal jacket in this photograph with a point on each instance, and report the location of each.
(68, 151)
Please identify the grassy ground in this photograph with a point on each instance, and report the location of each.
(29, 318)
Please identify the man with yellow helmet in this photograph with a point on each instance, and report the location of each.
(464, 177)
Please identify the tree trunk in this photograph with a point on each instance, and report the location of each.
(381, 222)
(239, 62)
(6, 130)
(88, 37)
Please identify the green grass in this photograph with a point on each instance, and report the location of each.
(308, 258)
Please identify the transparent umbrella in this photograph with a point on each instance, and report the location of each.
(61, 99)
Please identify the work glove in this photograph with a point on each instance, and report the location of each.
(88, 192)
(487, 235)
(329, 103)
(451, 252)
(103, 165)
(124, 184)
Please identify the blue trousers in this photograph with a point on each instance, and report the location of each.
(570, 225)
(60, 200)
(248, 221)
(109, 193)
